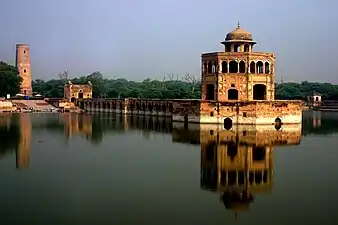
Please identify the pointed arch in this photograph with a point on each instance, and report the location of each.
(242, 67)
(233, 67)
(224, 67)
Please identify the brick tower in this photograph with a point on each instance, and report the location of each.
(24, 66)
(238, 73)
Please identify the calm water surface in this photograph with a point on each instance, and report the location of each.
(107, 169)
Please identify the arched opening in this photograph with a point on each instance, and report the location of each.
(210, 95)
(73, 99)
(232, 151)
(164, 108)
(259, 92)
(143, 107)
(242, 67)
(227, 123)
(137, 106)
(259, 67)
(252, 67)
(267, 67)
(209, 67)
(205, 66)
(156, 108)
(224, 67)
(232, 94)
(80, 94)
(104, 105)
(246, 48)
(233, 67)
(213, 68)
(258, 153)
(150, 107)
(278, 123)
(236, 48)
(227, 48)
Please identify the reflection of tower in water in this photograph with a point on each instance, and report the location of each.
(24, 146)
(237, 162)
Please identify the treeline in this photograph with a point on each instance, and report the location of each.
(170, 87)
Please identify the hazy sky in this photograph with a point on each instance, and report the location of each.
(135, 39)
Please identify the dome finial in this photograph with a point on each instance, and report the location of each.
(238, 25)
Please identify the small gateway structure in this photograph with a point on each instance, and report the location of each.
(72, 92)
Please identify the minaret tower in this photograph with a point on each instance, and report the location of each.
(24, 66)
(238, 73)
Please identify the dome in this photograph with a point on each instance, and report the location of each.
(238, 34)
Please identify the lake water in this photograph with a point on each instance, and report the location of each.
(108, 169)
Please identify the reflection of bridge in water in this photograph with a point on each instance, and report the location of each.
(16, 130)
(237, 163)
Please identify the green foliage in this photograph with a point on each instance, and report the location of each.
(187, 88)
(115, 88)
(301, 90)
(10, 79)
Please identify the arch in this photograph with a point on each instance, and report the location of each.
(213, 70)
(73, 99)
(104, 105)
(224, 67)
(258, 153)
(259, 92)
(137, 106)
(209, 69)
(233, 67)
(237, 48)
(150, 107)
(164, 108)
(278, 123)
(210, 92)
(246, 48)
(143, 107)
(242, 67)
(205, 66)
(227, 123)
(259, 67)
(232, 94)
(252, 67)
(267, 67)
(227, 48)
(80, 94)
(156, 107)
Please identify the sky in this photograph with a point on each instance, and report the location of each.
(138, 39)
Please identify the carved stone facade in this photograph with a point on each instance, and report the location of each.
(238, 73)
(72, 92)
(23, 63)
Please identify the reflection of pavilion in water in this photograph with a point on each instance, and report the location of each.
(238, 162)
(77, 124)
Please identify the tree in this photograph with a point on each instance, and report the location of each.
(10, 79)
